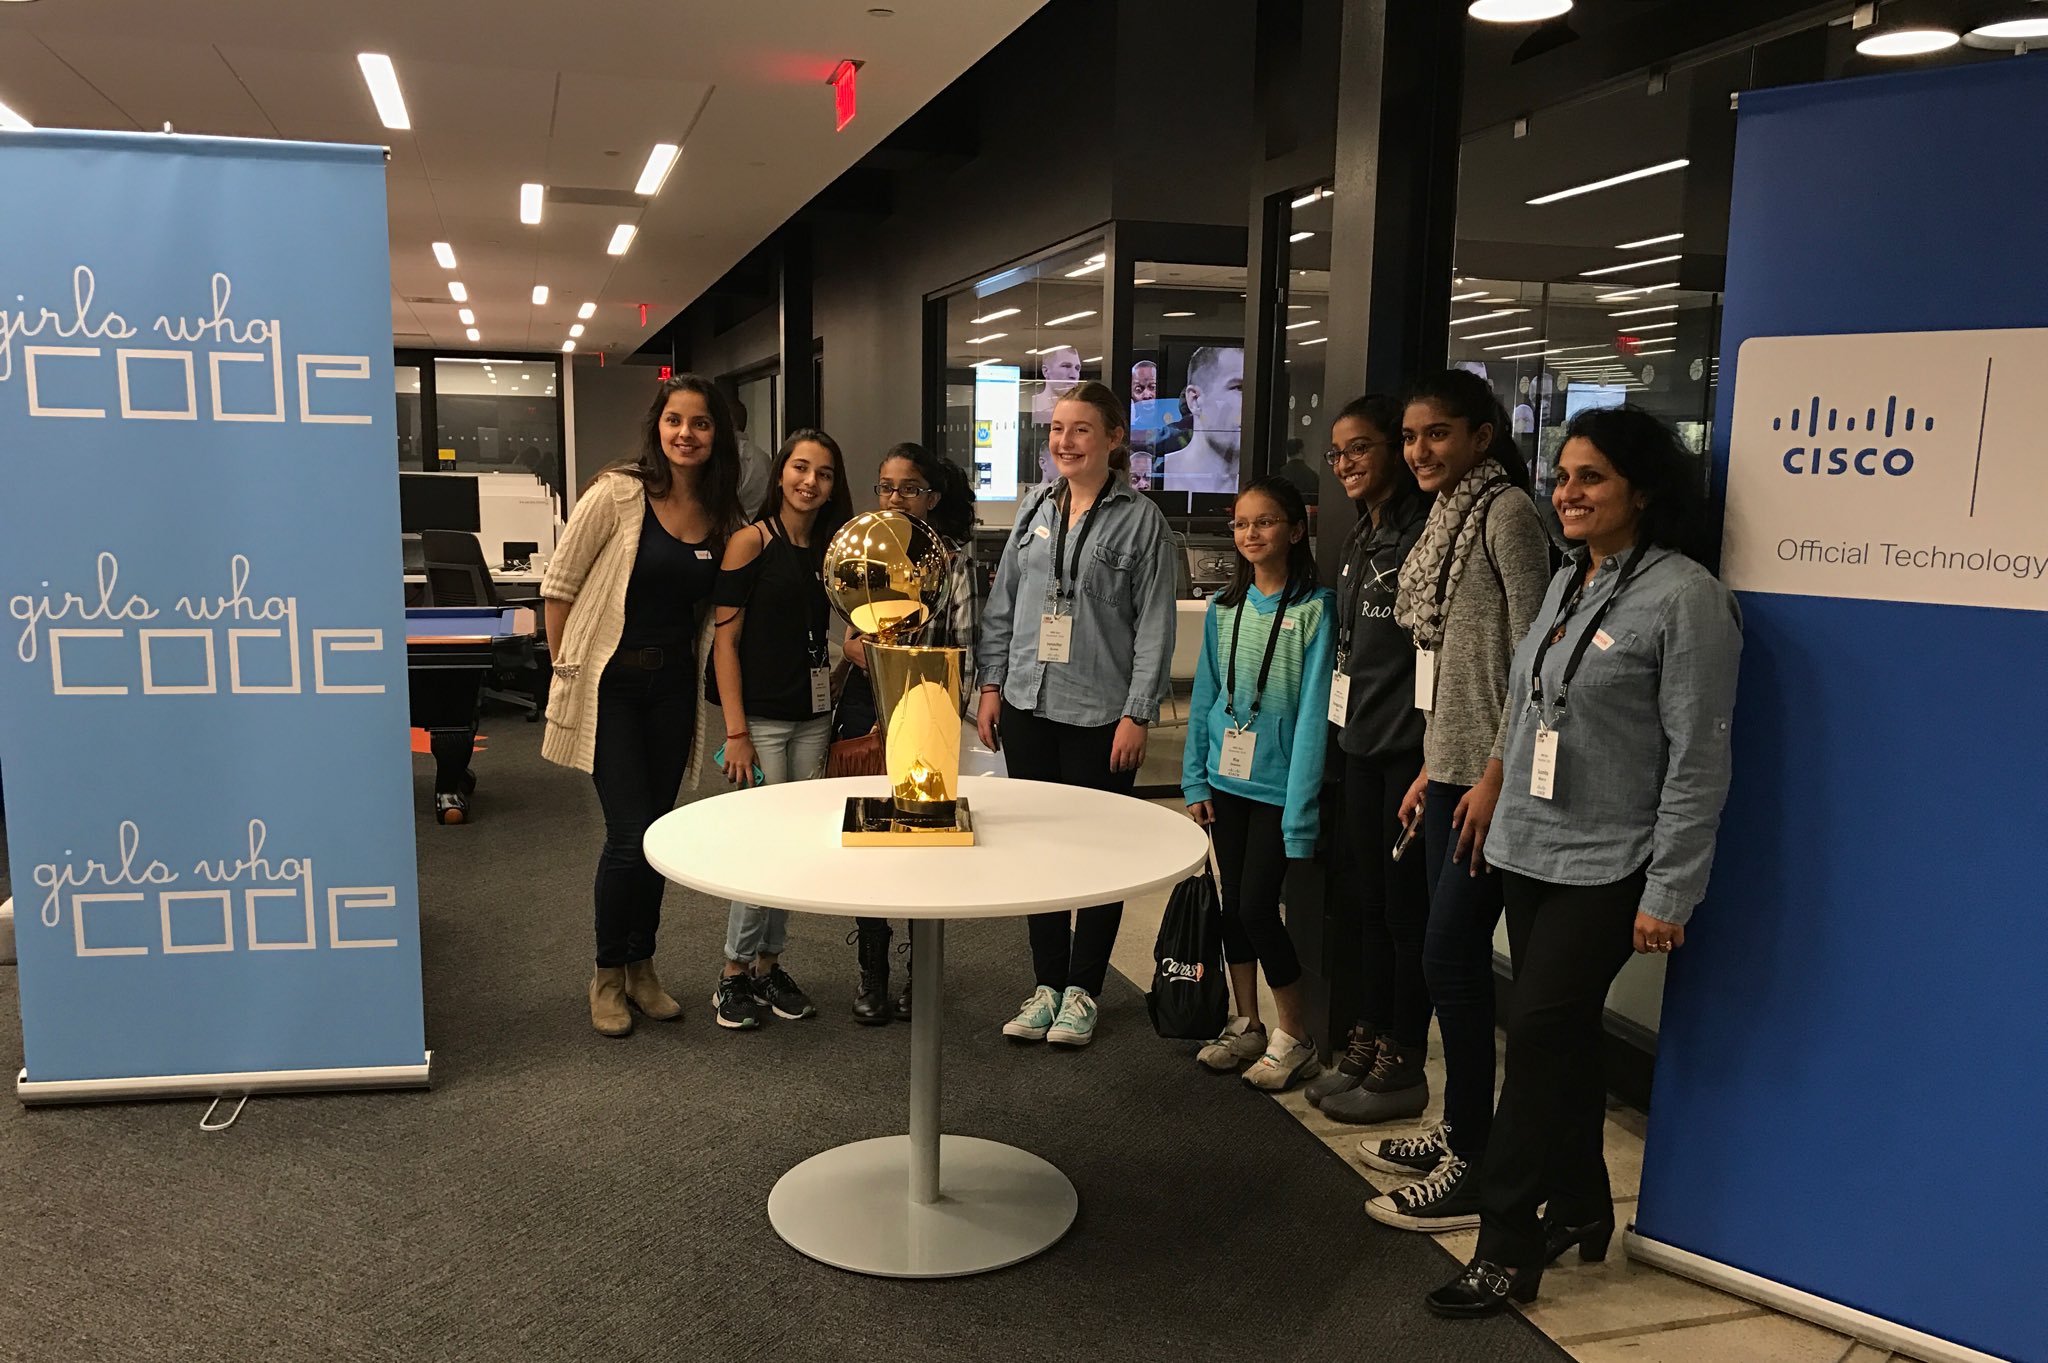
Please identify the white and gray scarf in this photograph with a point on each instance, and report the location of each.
(1456, 522)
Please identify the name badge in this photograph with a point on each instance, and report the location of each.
(821, 690)
(1425, 679)
(1340, 697)
(1543, 771)
(1055, 638)
(1238, 746)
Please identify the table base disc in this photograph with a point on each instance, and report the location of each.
(850, 1207)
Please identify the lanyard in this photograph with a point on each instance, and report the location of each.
(1556, 629)
(1351, 592)
(1061, 591)
(817, 610)
(1265, 667)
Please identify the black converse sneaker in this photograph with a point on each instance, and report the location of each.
(1406, 1154)
(734, 1000)
(1447, 1199)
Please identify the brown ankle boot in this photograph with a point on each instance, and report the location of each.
(644, 990)
(608, 1012)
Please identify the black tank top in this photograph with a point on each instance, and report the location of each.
(671, 579)
(786, 629)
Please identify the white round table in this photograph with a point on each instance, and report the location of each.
(921, 1205)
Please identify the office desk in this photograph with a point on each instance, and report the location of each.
(450, 652)
(509, 584)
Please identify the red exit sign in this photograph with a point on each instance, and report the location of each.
(845, 97)
(668, 371)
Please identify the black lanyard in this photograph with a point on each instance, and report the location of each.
(1555, 631)
(1061, 591)
(818, 610)
(1351, 592)
(1265, 667)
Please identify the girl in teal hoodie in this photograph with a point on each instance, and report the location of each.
(1254, 762)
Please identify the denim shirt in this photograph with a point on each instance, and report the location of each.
(1642, 759)
(1122, 608)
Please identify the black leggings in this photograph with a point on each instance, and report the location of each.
(645, 721)
(1392, 899)
(1251, 855)
(1038, 749)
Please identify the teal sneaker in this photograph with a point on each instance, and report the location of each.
(1075, 1025)
(1034, 1016)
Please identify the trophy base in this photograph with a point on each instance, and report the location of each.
(872, 821)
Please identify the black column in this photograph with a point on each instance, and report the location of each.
(793, 283)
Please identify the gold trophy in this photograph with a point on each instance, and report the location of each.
(885, 573)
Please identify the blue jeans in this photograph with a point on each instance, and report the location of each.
(788, 750)
(1457, 962)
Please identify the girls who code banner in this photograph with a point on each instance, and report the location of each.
(202, 699)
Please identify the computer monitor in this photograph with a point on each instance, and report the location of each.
(438, 501)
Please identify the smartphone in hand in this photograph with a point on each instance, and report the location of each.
(760, 777)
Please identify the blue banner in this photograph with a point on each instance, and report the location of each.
(1849, 1078)
(203, 718)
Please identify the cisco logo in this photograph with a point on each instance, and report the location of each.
(1828, 459)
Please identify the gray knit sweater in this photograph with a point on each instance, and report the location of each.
(1495, 605)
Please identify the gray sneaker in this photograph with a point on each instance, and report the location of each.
(1235, 1049)
(1359, 1054)
(1285, 1061)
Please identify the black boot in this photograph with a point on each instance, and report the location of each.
(903, 997)
(871, 1004)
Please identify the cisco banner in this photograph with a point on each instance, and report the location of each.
(202, 698)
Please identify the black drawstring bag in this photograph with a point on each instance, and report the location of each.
(1190, 996)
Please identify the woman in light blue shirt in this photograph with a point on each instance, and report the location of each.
(1075, 642)
(1612, 765)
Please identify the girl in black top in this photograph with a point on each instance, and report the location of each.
(1380, 731)
(772, 679)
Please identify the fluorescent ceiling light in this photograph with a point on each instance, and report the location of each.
(1568, 349)
(1483, 335)
(622, 237)
(1650, 241)
(1468, 297)
(1628, 265)
(2011, 30)
(998, 315)
(1176, 314)
(1090, 268)
(1521, 348)
(457, 292)
(1517, 11)
(1301, 236)
(568, 347)
(1483, 316)
(659, 162)
(1635, 293)
(1639, 312)
(1298, 307)
(444, 253)
(1672, 351)
(1305, 200)
(540, 294)
(530, 196)
(1612, 181)
(472, 334)
(468, 317)
(1315, 340)
(382, 77)
(587, 311)
(1071, 317)
(576, 330)
(1653, 326)
(993, 359)
(1144, 281)
(1908, 42)
(983, 340)
(1297, 326)
(1093, 359)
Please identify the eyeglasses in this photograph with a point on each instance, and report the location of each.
(910, 491)
(1258, 523)
(1357, 449)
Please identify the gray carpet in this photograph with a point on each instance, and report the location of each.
(561, 1196)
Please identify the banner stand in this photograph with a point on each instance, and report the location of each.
(33, 1093)
(1830, 1315)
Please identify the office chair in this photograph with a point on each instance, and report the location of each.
(457, 576)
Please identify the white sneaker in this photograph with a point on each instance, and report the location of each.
(1238, 1046)
(1285, 1061)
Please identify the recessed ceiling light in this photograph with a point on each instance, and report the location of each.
(530, 196)
(1483, 335)
(1468, 297)
(1650, 241)
(1629, 265)
(1301, 236)
(622, 237)
(444, 253)
(1672, 351)
(1517, 11)
(1651, 326)
(1297, 326)
(472, 334)
(382, 78)
(587, 311)
(1639, 312)
(1916, 41)
(13, 121)
(457, 292)
(1635, 293)
(979, 364)
(540, 294)
(468, 317)
(576, 330)
(568, 347)
(1611, 181)
(1305, 200)
(1144, 281)
(1176, 314)
(1318, 340)
(1090, 268)
(984, 340)
(1519, 345)
(659, 162)
(1483, 316)
(2012, 30)
(1071, 317)
(998, 315)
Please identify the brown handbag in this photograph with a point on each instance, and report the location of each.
(856, 756)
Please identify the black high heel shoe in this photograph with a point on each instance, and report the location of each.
(1591, 1238)
(1484, 1288)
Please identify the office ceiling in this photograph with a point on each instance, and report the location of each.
(572, 96)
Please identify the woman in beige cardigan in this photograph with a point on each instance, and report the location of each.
(627, 594)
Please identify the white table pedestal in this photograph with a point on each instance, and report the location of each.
(923, 1205)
